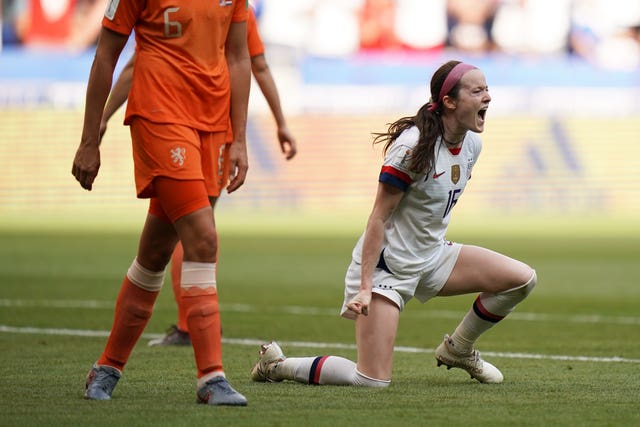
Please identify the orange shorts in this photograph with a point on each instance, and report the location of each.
(177, 198)
(178, 152)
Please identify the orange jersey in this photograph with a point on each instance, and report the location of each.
(180, 72)
(253, 37)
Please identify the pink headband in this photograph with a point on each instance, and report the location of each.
(450, 81)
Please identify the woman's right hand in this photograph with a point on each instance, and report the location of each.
(86, 164)
(360, 303)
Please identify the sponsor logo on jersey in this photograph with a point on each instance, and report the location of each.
(455, 173)
(438, 175)
(226, 2)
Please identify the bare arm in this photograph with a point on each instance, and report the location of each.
(87, 159)
(267, 85)
(386, 202)
(239, 64)
(118, 95)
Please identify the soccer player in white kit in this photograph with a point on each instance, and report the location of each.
(403, 252)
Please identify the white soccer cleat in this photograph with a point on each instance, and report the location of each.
(270, 355)
(483, 371)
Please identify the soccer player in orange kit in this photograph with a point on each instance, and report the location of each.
(192, 72)
(178, 334)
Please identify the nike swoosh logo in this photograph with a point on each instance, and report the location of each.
(438, 175)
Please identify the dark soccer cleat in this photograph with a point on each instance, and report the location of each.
(217, 391)
(101, 380)
(174, 336)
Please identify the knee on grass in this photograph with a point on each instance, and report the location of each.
(362, 380)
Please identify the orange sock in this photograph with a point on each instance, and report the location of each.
(203, 320)
(199, 299)
(176, 282)
(134, 306)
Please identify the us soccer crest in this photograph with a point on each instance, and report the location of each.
(455, 173)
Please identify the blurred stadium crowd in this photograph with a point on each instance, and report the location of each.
(605, 33)
(564, 77)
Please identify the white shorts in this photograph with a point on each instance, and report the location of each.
(400, 290)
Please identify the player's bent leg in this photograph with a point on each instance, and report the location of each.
(376, 336)
(488, 309)
(494, 307)
(503, 283)
(482, 270)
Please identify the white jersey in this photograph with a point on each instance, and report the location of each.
(415, 234)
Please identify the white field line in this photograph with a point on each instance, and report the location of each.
(318, 345)
(318, 311)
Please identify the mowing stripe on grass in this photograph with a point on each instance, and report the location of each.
(319, 311)
(309, 344)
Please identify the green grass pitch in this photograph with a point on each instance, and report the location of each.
(570, 353)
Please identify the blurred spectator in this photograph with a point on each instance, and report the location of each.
(470, 24)
(377, 25)
(285, 27)
(48, 22)
(13, 21)
(334, 28)
(71, 25)
(421, 25)
(532, 26)
(607, 36)
(87, 22)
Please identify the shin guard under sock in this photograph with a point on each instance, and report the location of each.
(488, 309)
(203, 321)
(199, 299)
(324, 370)
(132, 312)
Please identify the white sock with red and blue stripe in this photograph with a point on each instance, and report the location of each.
(488, 309)
(319, 370)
